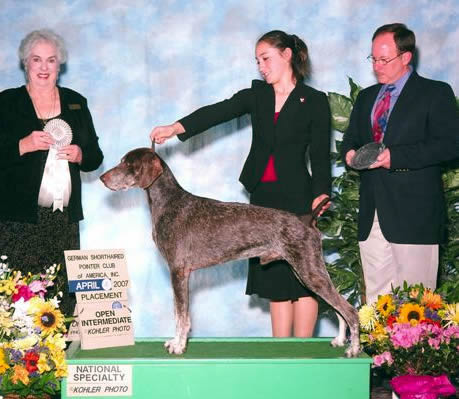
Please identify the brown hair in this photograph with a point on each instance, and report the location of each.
(281, 41)
(404, 38)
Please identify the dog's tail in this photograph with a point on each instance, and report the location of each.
(311, 219)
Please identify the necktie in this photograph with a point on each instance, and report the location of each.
(381, 114)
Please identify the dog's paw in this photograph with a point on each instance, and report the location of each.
(353, 350)
(338, 341)
(174, 346)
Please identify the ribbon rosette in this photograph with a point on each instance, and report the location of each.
(56, 174)
(422, 386)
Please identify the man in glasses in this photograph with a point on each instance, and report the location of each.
(402, 215)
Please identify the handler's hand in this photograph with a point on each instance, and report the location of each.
(383, 160)
(162, 133)
(350, 154)
(317, 201)
(71, 153)
(35, 141)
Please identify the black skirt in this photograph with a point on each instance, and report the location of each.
(276, 280)
(34, 247)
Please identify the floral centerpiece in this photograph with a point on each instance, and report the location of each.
(32, 341)
(413, 332)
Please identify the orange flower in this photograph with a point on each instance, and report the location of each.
(431, 300)
(20, 374)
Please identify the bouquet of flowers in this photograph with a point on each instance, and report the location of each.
(32, 341)
(413, 332)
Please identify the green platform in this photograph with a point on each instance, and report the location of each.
(235, 368)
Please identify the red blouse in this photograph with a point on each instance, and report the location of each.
(269, 175)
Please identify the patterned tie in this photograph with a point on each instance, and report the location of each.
(381, 114)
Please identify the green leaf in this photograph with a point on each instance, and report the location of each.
(355, 90)
(341, 107)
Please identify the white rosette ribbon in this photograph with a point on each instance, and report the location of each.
(56, 184)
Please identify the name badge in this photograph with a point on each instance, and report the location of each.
(74, 106)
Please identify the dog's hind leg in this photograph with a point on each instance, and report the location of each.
(340, 339)
(312, 272)
(327, 291)
(180, 285)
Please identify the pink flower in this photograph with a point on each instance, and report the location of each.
(435, 342)
(384, 357)
(38, 287)
(23, 292)
(404, 335)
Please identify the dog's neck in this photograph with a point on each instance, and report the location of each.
(163, 192)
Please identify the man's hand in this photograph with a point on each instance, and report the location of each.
(349, 155)
(383, 160)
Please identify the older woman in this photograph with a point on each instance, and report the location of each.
(46, 138)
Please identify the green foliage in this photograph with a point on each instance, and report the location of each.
(339, 225)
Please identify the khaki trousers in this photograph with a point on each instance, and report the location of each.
(385, 264)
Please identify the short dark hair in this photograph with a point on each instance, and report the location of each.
(282, 40)
(405, 40)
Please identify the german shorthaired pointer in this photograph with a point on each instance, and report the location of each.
(194, 232)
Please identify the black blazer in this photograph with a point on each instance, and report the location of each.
(303, 123)
(20, 176)
(422, 132)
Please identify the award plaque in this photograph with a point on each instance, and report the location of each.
(366, 155)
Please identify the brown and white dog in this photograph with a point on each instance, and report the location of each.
(193, 232)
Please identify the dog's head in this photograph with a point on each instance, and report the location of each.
(138, 168)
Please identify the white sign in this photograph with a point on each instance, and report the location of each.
(99, 380)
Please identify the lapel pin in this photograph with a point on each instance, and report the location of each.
(302, 99)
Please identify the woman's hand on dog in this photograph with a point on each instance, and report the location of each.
(318, 200)
(162, 133)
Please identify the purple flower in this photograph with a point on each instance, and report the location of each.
(16, 355)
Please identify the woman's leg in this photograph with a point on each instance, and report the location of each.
(281, 318)
(305, 311)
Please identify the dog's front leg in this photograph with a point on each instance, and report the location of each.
(180, 280)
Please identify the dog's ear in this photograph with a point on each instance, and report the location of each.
(150, 170)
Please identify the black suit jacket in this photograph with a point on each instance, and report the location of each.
(20, 176)
(303, 123)
(422, 132)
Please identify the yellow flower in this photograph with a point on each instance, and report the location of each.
(368, 317)
(35, 304)
(385, 305)
(431, 300)
(3, 364)
(379, 333)
(8, 286)
(55, 342)
(20, 374)
(48, 318)
(6, 324)
(25, 343)
(411, 313)
(61, 366)
(43, 364)
(451, 314)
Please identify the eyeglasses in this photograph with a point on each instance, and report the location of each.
(382, 61)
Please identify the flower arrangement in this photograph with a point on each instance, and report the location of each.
(412, 331)
(32, 341)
